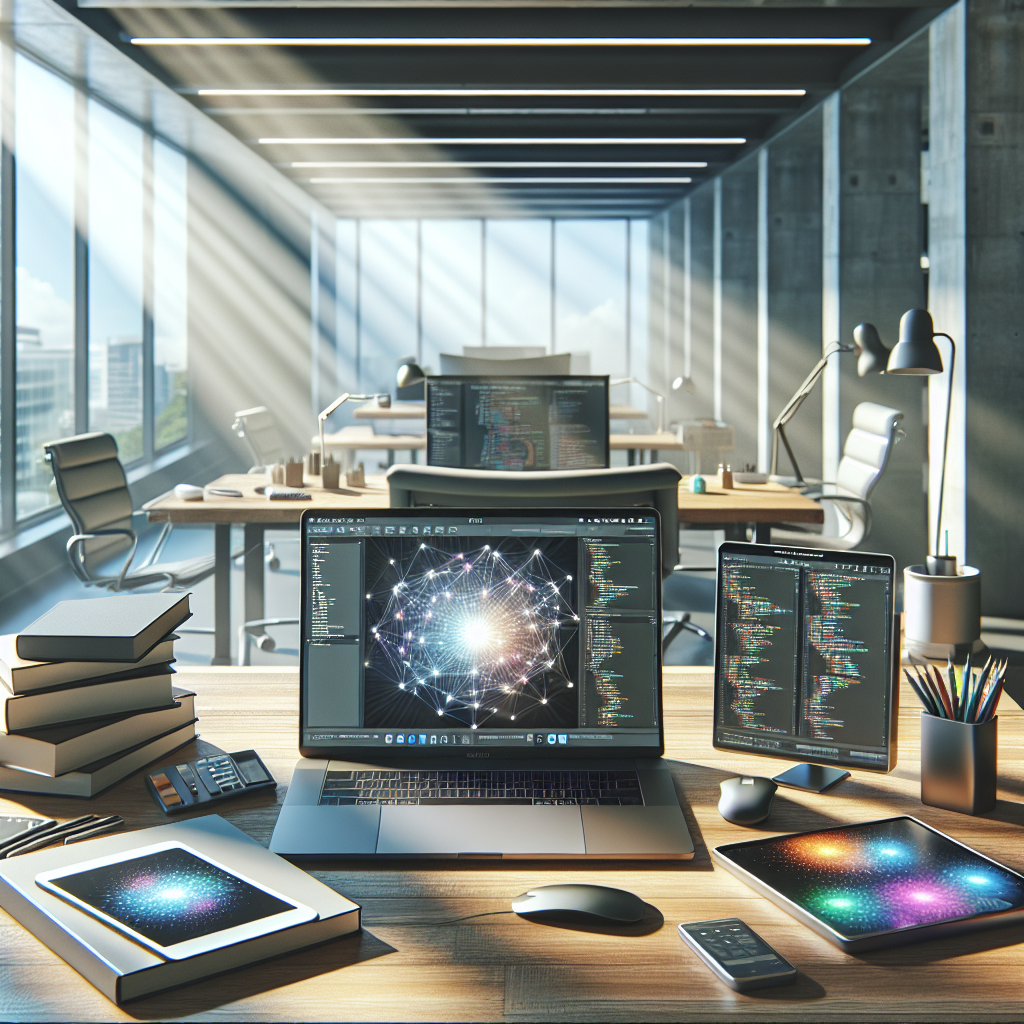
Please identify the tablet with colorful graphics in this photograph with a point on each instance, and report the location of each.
(174, 900)
(879, 883)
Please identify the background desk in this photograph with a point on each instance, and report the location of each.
(409, 964)
(760, 504)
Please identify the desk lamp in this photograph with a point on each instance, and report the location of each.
(657, 394)
(871, 355)
(410, 374)
(917, 354)
(384, 400)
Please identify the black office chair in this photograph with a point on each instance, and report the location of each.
(93, 489)
(655, 486)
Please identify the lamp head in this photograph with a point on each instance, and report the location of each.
(683, 382)
(410, 374)
(916, 352)
(872, 355)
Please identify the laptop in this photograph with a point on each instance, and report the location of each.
(481, 683)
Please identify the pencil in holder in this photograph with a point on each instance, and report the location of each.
(958, 764)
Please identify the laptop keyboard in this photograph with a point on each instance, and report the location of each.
(433, 788)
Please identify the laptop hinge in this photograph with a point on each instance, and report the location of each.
(482, 856)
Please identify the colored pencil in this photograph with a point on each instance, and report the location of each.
(926, 699)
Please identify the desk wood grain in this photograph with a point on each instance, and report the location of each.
(414, 961)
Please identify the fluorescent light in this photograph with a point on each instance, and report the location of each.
(481, 164)
(419, 141)
(502, 92)
(491, 41)
(500, 181)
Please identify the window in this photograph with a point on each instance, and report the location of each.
(170, 297)
(451, 288)
(518, 282)
(115, 280)
(45, 276)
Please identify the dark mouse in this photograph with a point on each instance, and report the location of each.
(746, 800)
(595, 900)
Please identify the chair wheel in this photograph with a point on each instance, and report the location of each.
(265, 642)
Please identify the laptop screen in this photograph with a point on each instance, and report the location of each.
(456, 631)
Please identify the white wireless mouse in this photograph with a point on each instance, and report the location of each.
(188, 492)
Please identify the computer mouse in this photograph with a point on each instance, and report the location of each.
(188, 492)
(596, 900)
(746, 800)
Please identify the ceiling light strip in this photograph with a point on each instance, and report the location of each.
(445, 165)
(501, 41)
(493, 141)
(502, 92)
(501, 181)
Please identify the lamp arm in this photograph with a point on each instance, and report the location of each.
(945, 438)
(789, 410)
(333, 407)
(657, 394)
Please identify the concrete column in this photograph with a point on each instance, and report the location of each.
(794, 284)
(976, 132)
(763, 420)
(881, 241)
(700, 404)
(739, 280)
(716, 297)
(658, 359)
(831, 257)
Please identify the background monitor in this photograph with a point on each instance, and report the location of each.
(533, 367)
(805, 662)
(504, 351)
(517, 423)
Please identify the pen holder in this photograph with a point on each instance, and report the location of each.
(293, 474)
(958, 764)
(330, 474)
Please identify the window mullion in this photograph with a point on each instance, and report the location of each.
(147, 299)
(81, 262)
(8, 313)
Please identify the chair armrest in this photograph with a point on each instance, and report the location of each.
(75, 554)
(853, 501)
(694, 568)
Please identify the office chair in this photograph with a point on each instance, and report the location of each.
(258, 428)
(93, 489)
(655, 486)
(865, 456)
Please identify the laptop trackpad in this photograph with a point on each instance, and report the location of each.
(481, 828)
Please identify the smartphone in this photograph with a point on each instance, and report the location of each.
(737, 955)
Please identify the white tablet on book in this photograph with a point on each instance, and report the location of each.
(174, 900)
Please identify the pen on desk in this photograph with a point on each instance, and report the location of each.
(16, 840)
(224, 492)
(95, 830)
(37, 838)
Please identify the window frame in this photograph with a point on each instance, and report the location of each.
(9, 521)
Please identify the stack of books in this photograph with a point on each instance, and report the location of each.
(87, 694)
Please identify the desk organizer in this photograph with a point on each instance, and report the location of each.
(958, 764)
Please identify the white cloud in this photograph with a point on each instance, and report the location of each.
(39, 306)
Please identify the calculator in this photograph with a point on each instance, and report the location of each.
(208, 780)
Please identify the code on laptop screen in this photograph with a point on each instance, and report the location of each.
(502, 631)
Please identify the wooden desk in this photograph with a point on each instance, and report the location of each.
(760, 504)
(412, 962)
(418, 411)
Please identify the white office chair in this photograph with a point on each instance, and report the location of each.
(865, 456)
(258, 428)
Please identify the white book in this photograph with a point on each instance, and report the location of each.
(22, 711)
(65, 748)
(122, 969)
(92, 779)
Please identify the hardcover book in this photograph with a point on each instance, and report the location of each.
(140, 691)
(64, 748)
(123, 969)
(118, 628)
(92, 779)
(21, 675)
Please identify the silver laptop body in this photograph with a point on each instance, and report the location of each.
(481, 683)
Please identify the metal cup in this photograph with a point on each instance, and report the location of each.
(958, 764)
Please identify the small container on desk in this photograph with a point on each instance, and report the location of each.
(958, 764)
